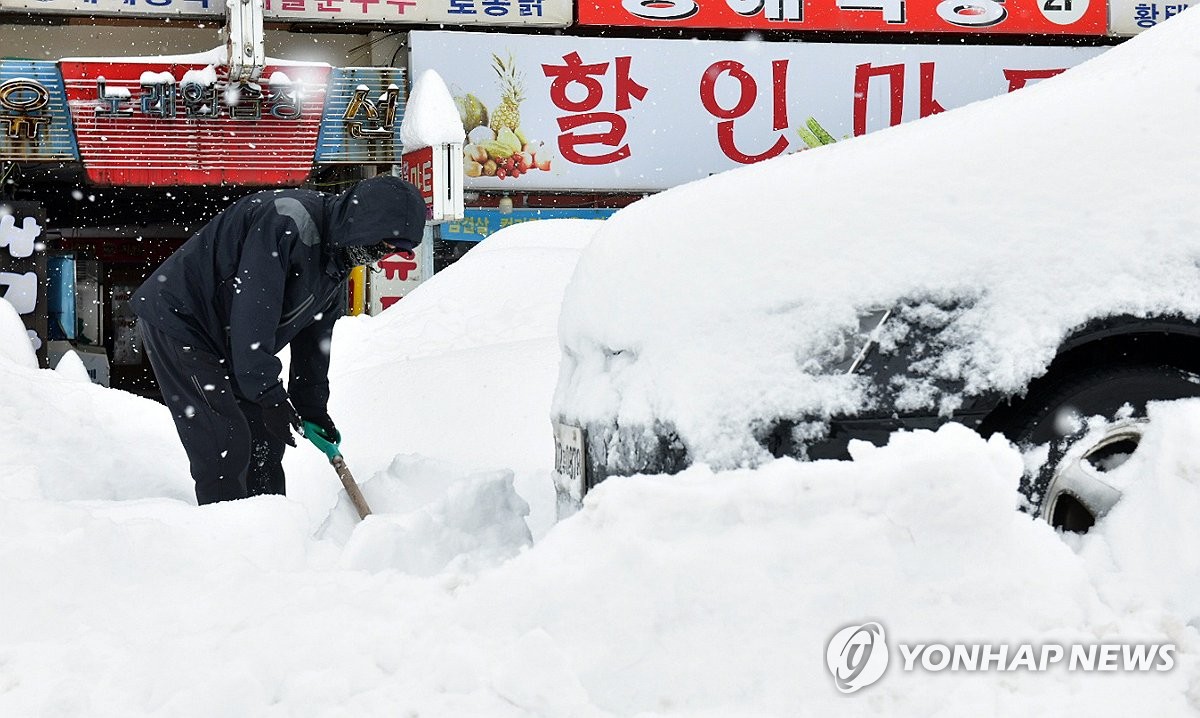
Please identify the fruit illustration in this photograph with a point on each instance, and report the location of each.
(814, 135)
(509, 139)
(480, 134)
(512, 91)
(475, 153)
(471, 111)
(495, 144)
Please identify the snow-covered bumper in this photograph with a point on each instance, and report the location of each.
(586, 455)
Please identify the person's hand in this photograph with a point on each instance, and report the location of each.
(325, 424)
(279, 420)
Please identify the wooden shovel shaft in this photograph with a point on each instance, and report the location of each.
(356, 497)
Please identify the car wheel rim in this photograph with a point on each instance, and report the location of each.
(1080, 492)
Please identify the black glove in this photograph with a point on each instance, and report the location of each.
(325, 424)
(279, 419)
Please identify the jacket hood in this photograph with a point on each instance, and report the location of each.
(376, 209)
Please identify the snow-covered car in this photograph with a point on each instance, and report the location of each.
(1017, 265)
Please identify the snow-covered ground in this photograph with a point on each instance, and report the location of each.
(696, 595)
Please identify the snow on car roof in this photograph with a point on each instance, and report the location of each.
(1067, 200)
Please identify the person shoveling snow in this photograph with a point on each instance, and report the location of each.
(267, 272)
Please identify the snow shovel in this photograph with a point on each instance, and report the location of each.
(317, 436)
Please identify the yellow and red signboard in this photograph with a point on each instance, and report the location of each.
(1033, 17)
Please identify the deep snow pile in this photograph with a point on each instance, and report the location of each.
(746, 280)
(67, 439)
(701, 595)
(462, 370)
(14, 342)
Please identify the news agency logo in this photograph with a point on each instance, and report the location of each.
(858, 655)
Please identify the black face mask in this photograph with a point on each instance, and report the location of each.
(370, 254)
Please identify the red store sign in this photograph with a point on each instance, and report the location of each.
(1034, 17)
(438, 173)
(170, 121)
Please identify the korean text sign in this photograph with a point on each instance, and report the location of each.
(547, 13)
(148, 122)
(1129, 17)
(437, 173)
(477, 224)
(622, 114)
(1067, 17)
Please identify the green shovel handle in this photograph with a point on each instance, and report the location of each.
(317, 436)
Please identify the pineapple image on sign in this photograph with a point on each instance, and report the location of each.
(496, 146)
(512, 93)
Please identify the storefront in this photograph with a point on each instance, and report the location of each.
(123, 158)
(109, 163)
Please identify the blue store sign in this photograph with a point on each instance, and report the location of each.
(35, 124)
(363, 112)
(479, 223)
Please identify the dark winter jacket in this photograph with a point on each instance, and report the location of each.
(269, 271)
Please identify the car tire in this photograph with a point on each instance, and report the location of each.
(1069, 488)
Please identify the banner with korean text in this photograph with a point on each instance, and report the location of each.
(1130, 17)
(1027, 17)
(479, 223)
(570, 113)
(177, 120)
(500, 13)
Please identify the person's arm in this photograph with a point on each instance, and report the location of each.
(309, 381)
(256, 307)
